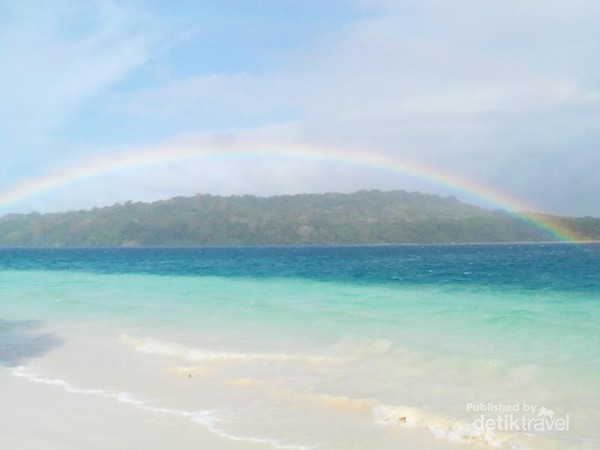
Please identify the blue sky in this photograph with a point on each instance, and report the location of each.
(506, 94)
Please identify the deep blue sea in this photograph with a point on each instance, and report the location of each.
(410, 344)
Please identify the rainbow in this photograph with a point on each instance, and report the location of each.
(93, 168)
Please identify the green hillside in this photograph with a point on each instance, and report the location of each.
(365, 217)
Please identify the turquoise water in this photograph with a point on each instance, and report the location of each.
(462, 324)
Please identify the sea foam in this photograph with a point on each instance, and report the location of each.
(208, 419)
(154, 346)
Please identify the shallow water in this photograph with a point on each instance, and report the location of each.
(320, 347)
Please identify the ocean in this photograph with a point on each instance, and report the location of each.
(336, 347)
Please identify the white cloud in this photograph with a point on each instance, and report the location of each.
(395, 70)
(56, 56)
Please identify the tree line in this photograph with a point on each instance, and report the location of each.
(364, 217)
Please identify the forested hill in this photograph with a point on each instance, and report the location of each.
(365, 217)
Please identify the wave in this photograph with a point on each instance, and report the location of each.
(382, 414)
(451, 430)
(208, 419)
(157, 347)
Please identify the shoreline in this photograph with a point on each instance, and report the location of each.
(42, 416)
(133, 393)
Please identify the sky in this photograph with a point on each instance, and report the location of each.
(501, 94)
